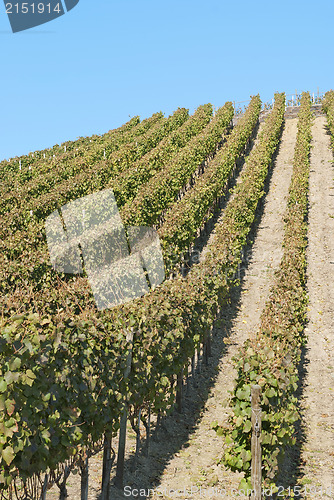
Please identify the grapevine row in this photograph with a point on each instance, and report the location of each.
(61, 378)
(161, 190)
(27, 167)
(126, 185)
(184, 217)
(16, 243)
(93, 163)
(271, 358)
(328, 107)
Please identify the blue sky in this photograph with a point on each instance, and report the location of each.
(106, 60)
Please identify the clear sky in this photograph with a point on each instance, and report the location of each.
(89, 70)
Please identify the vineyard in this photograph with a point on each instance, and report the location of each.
(157, 392)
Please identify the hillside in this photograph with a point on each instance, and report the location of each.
(244, 211)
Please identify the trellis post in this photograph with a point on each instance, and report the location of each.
(122, 431)
(179, 391)
(84, 479)
(107, 463)
(256, 443)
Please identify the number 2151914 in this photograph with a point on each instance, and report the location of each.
(38, 8)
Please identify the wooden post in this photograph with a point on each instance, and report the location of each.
(198, 366)
(157, 427)
(208, 345)
(135, 460)
(188, 378)
(256, 443)
(121, 451)
(107, 463)
(122, 432)
(148, 430)
(193, 372)
(205, 352)
(172, 383)
(179, 392)
(105, 458)
(84, 479)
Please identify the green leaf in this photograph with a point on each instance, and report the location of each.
(46, 435)
(253, 375)
(244, 393)
(228, 440)
(247, 426)
(10, 406)
(220, 431)
(30, 374)
(8, 455)
(270, 393)
(282, 432)
(245, 485)
(3, 385)
(9, 377)
(15, 364)
(239, 421)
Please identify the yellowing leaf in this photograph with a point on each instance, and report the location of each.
(8, 455)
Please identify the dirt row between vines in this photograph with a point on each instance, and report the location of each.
(195, 466)
(187, 450)
(317, 433)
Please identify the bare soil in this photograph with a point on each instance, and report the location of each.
(318, 392)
